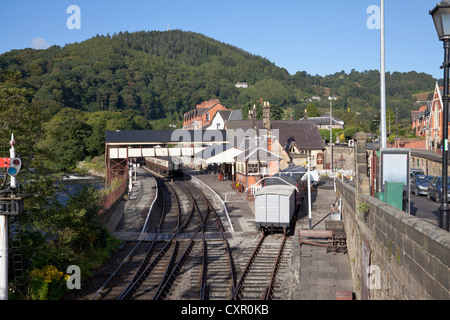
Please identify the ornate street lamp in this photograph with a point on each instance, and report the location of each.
(441, 17)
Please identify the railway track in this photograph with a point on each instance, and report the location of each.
(145, 255)
(164, 258)
(210, 267)
(187, 256)
(185, 229)
(259, 275)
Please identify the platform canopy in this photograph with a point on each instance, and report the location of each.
(164, 137)
(221, 154)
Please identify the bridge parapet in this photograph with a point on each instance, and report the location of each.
(394, 255)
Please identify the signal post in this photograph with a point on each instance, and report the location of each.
(10, 205)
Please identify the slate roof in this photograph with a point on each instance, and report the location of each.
(325, 120)
(163, 136)
(305, 133)
(235, 115)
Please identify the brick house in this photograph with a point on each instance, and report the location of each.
(435, 118)
(420, 120)
(296, 138)
(202, 115)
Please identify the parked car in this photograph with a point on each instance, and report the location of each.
(419, 184)
(414, 172)
(435, 189)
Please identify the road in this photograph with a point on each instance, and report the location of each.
(425, 209)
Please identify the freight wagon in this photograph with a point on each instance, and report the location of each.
(275, 207)
(278, 201)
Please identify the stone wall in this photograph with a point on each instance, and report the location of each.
(344, 156)
(407, 257)
(430, 163)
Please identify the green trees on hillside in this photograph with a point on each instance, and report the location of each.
(72, 135)
(128, 79)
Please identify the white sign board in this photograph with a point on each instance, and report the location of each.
(395, 168)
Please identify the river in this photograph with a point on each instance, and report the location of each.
(73, 183)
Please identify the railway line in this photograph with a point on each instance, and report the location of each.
(258, 279)
(186, 255)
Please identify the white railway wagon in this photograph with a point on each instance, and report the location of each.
(275, 207)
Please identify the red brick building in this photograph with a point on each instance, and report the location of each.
(202, 115)
(435, 118)
(420, 120)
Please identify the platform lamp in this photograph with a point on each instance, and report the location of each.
(441, 17)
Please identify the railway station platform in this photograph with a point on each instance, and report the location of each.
(129, 218)
(322, 274)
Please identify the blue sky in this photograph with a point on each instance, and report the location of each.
(319, 37)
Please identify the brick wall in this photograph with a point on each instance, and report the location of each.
(409, 258)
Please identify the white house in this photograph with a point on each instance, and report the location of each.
(221, 117)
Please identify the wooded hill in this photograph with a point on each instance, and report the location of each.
(161, 75)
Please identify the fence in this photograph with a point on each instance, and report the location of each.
(111, 198)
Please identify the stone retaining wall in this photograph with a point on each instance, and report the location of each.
(407, 257)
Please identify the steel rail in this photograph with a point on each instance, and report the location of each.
(204, 270)
(268, 292)
(168, 279)
(238, 288)
(145, 267)
(227, 245)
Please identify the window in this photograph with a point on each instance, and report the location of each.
(252, 168)
(240, 167)
(208, 117)
(264, 168)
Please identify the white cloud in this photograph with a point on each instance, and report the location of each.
(39, 43)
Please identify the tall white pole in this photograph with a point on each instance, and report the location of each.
(3, 257)
(331, 135)
(383, 81)
(309, 189)
(4, 230)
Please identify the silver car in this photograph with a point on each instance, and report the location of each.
(419, 184)
(435, 189)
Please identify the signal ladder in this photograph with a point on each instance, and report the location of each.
(17, 261)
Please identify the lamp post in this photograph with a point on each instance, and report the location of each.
(441, 18)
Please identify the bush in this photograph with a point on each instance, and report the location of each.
(47, 283)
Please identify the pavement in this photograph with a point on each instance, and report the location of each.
(322, 274)
(129, 218)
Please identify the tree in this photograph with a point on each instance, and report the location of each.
(65, 139)
(312, 111)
